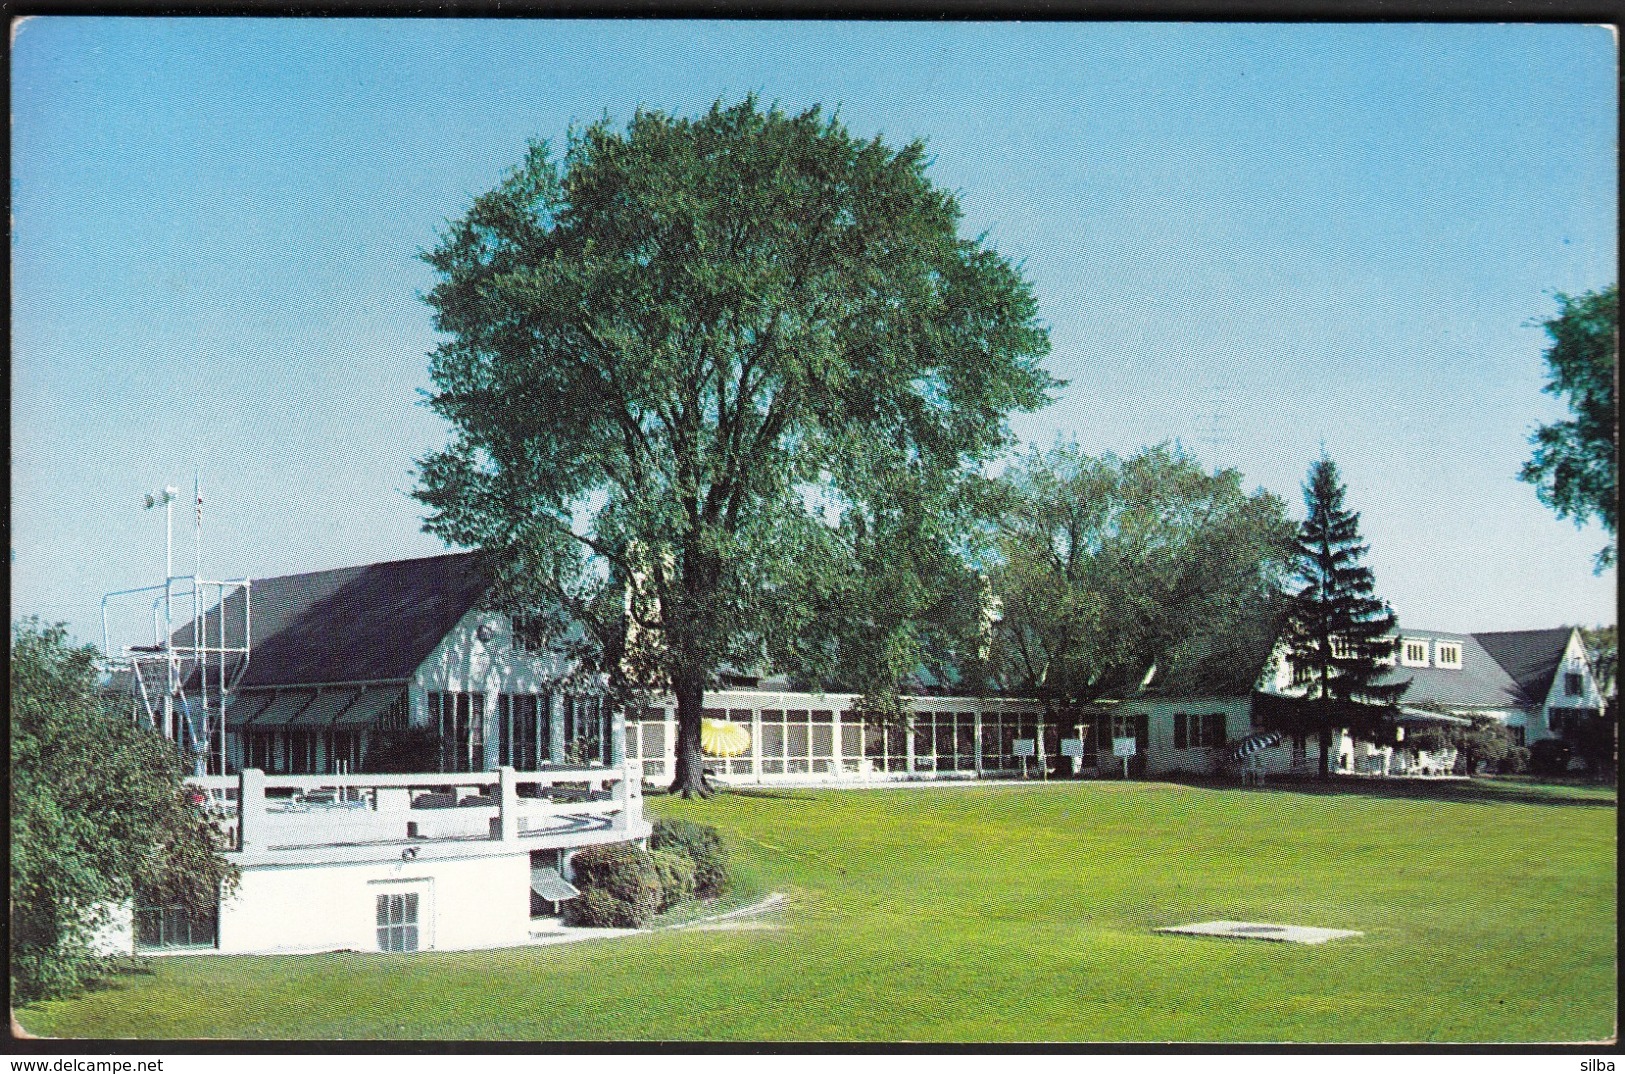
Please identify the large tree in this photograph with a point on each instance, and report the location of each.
(740, 367)
(1574, 464)
(1340, 636)
(97, 807)
(1107, 567)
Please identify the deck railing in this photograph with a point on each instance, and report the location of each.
(255, 811)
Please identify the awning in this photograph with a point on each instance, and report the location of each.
(326, 706)
(287, 705)
(373, 703)
(551, 886)
(242, 708)
(1410, 715)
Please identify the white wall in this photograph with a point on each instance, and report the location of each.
(1575, 658)
(463, 903)
(115, 933)
(462, 663)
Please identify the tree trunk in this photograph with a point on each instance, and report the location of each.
(1325, 754)
(690, 781)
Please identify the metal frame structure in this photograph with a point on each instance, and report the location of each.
(193, 682)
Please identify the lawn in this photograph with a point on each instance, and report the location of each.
(1018, 912)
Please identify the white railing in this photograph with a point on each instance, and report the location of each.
(256, 812)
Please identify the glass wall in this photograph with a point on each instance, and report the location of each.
(522, 731)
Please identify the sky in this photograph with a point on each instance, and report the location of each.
(1334, 237)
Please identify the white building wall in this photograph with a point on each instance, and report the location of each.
(463, 903)
(464, 662)
(115, 933)
(1576, 659)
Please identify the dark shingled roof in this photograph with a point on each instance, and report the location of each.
(1480, 682)
(1531, 657)
(356, 624)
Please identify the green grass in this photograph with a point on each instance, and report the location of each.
(1012, 913)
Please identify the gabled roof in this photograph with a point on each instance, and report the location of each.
(1531, 657)
(1481, 682)
(377, 622)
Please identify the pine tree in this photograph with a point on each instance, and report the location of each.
(1341, 636)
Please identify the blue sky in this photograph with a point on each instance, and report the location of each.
(1342, 233)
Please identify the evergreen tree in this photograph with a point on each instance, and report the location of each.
(1340, 635)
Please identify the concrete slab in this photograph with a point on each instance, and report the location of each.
(1256, 930)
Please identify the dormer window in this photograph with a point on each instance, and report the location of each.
(1414, 653)
(1574, 683)
(1447, 654)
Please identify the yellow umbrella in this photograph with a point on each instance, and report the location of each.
(721, 738)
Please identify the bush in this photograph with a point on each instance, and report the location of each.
(96, 802)
(620, 887)
(1515, 760)
(676, 874)
(700, 844)
(1549, 757)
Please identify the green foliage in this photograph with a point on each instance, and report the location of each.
(620, 887)
(676, 873)
(1105, 567)
(741, 365)
(97, 804)
(1574, 465)
(1515, 760)
(1550, 756)
(702, 845)
(1336, 628)
(1602, 649)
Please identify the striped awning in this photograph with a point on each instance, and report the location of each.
(1256, 742)
(284, 708)
(325, 707)
(374, 702)
(243, 707)
(551, 886)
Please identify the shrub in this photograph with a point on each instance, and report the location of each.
(676, 874)
(1549, 757)
(700, 844)
(619, 887)
(1515, 760)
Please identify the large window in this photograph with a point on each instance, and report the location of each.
(522, 738)
(1198, 731)
(398, 922)
(1000, 730)
(168, 927)
(646, 741)
(460, 721)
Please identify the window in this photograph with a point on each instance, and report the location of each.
(1196, 732)
(1447, 654)
(1414, 653)
(1567, 720)
(1517, 734)
(1342, 649)
(522, 731)
(460, 721)
(169, 927)
(1574, 683)
(398, 922)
